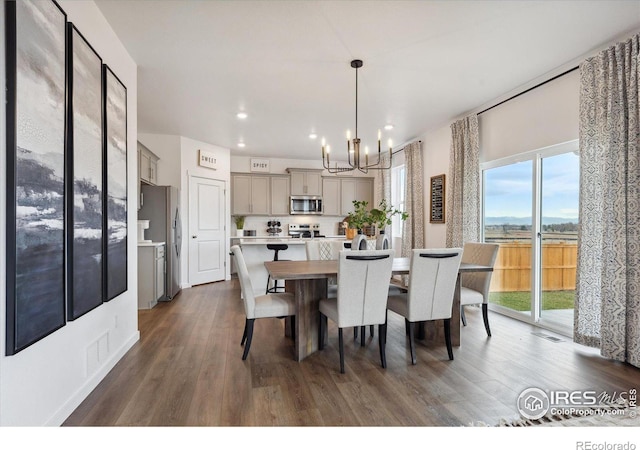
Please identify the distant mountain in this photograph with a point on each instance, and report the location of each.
(509, 220)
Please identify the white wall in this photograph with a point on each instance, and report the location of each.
(44, 383)
(544, 116)
(189, 167)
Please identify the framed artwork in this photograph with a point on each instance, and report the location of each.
(36, 97)
(260, 165)
(437, 208)
(115, 189)
(84, 176)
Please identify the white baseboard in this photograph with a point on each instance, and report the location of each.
(81, 394)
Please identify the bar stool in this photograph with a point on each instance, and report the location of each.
(276, 248)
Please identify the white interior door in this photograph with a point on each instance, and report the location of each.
(207, 243)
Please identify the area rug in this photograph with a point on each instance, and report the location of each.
(612, 415)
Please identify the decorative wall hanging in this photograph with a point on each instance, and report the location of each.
(84, 177)
(115, 116)
(36, 92)
(437, 199)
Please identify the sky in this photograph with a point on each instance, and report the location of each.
(508, 189)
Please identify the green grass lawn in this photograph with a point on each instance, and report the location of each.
(521, 301)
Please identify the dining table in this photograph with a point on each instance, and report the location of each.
(307, 280)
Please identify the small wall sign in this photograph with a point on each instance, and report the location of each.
(437, 199)
(260, 165)
(207, 159)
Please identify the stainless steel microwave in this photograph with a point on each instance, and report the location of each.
(305, 204)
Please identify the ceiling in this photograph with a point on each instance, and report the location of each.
(287, 63)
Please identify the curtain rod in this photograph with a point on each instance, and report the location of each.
(531, 88)
(399, 150)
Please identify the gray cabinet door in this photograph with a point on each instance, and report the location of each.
(260, 201)
(313, 183)
(280, 196)
(331, 196)
(241, 194)
(298, 185)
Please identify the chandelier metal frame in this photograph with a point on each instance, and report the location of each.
(354, 158)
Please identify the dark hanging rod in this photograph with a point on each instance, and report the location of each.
(531, 88)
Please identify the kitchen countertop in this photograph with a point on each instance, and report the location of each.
(149, 244)
(263, 240)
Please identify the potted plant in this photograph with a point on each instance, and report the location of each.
(239, 221)
(383, 214)
(357, 219)
(381, 217)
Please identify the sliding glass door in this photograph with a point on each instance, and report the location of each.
(530, 207)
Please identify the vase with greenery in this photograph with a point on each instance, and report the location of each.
(383, 216)
(239, 221)
(357, 219)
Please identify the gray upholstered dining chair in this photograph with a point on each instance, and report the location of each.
(434, 274)
(363, 280)
(277, 304)
(474, 288)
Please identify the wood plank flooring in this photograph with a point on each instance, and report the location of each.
(187, 370)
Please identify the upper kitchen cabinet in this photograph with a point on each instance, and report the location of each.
(148, 165)
(250, 194)
(338, 194)
(355, 189)
(306, 181)
(280, 195)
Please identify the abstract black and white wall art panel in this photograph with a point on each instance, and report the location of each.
(36, 71)
(115, 100)
(84, 172)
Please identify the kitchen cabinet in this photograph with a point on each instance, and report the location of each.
(331, 196)
(151, 274)
(148, 165)
(338, 194)
(305, 182)
(279, 195)
(250, 194)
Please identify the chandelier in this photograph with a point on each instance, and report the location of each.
(354, 158)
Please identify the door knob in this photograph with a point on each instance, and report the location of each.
(194, 237)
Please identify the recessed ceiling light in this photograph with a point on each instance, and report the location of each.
(388, 127)
(241, 115)
(313, 136)
(241, 144)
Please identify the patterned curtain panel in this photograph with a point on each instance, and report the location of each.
(463, 202)
(413, 227)
(382, 187)
(607, 313)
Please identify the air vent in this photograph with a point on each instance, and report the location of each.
(548, 337)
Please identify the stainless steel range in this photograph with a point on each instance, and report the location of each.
(304, 230)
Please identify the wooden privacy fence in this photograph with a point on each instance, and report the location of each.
(512, 270)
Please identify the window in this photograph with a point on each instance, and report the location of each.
(397, 197)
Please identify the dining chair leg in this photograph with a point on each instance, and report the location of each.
(371, 330)
(447, 337)
(249, 337)
(293, 327)
(341, 347)
(412, 343)
(355, 333)
(381, 344)
(244, 333)
(386, 316)
(362, 335)
(406, 326)
(463, 317)
(485, 317)
(320, 331)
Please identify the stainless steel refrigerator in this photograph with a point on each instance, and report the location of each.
(161, 207)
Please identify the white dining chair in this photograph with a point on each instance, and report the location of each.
(276, 304)
(474, 286)
(361, 300)
(434, 274)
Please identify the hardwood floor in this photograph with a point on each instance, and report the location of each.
(187, 370)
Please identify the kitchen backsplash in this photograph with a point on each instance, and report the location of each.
(328, 224)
